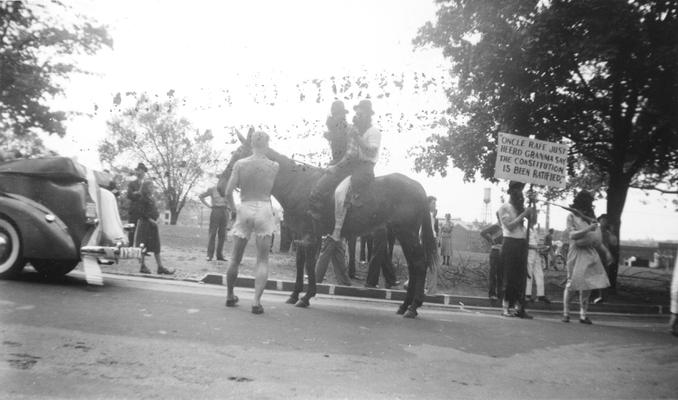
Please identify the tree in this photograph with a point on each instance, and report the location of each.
(602, 75)
(176, 154)
(37, 42)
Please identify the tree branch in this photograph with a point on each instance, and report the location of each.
(657, 189)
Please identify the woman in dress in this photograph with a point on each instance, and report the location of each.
(585, 271)
(446, 239)
(147, 229)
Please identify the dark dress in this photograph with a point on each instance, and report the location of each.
(147, 228)
(133, 211)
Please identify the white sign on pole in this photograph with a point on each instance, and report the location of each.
(528, 160)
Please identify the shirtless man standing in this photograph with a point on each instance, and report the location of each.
(254, 176)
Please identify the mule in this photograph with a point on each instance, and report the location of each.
(394, 201)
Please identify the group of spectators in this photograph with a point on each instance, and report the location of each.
(516, 262)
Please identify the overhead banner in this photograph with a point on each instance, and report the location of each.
(522, 159)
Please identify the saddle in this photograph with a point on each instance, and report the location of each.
(348, 197)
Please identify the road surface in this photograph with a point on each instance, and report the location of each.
(149, 338)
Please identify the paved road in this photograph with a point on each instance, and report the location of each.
(144, 338)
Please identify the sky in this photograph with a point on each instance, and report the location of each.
(254, 51)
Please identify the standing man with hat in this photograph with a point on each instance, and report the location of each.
(512, 216)
(134, 197)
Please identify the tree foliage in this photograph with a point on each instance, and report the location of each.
(602, 75)
(37, 45)
(175, 153)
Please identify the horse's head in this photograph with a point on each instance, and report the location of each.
(244, 150)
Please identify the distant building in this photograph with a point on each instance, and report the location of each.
(661, 255)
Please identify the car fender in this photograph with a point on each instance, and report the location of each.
(43, 234)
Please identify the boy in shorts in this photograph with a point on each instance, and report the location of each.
(254, 176)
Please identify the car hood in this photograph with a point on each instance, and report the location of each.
(52, 168)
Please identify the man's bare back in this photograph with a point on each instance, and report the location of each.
(254, 176)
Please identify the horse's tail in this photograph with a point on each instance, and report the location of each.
(431, 256)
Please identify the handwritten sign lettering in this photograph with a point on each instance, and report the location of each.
(531, 160)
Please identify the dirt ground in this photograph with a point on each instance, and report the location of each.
(184, 249)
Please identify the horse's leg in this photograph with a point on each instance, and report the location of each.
(419, 271)
(406, 245)
(351, 256)
(299, 283)
(414, 254)
(311, 257)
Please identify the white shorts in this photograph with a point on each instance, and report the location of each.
(254, 216)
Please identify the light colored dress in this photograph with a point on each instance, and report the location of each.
(674, 288)
(446, 239)
(584, 267)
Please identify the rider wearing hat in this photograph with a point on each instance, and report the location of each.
(362, 153)
(337, 131)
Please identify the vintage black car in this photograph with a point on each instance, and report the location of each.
(55, 213)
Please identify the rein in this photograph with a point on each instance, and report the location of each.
(303, 163)
(575, 212)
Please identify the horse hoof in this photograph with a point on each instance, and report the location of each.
(302, 303)
(291, 300)
(410, 314)
(401, 310)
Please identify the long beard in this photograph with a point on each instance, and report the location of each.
(517, 203)
(362, 124)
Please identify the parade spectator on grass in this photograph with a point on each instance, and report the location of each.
(432, 275)
(535, 268)
(514, 250)
(548, 251)
(446, 240)
(381, 260)
(585, 270)
(332, 252)
(134, 195)
(611, 243)
(147, 229)
(493, 235)
(219, 215)
(673, 321)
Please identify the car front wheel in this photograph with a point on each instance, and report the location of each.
(11, 257)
